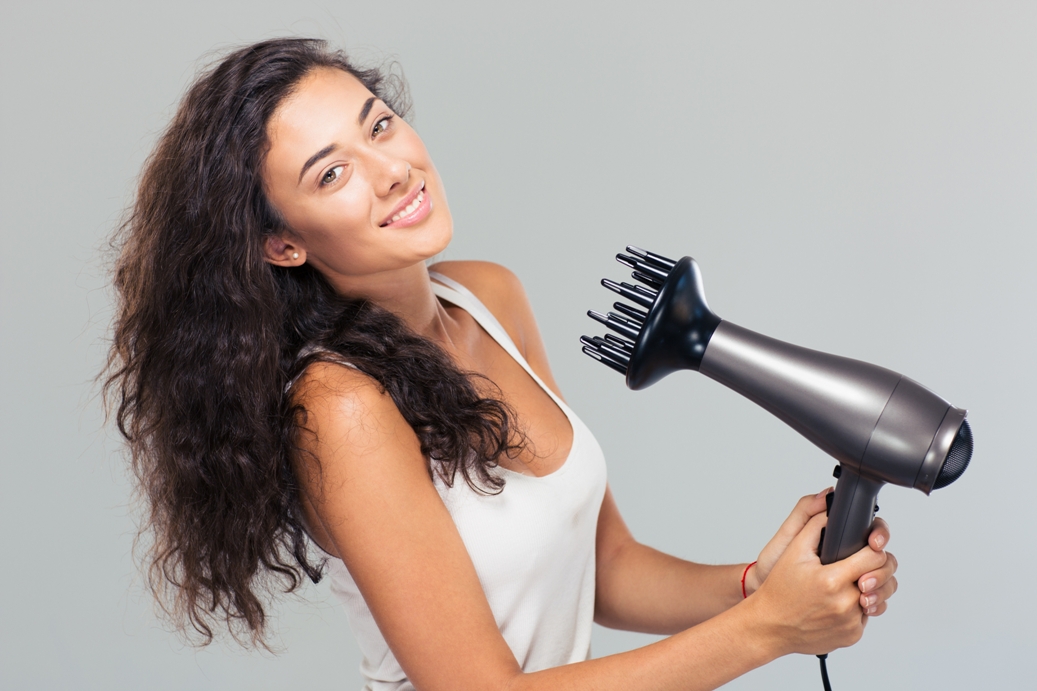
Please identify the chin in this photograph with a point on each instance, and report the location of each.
(438, 238)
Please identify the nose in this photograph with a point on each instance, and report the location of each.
(390, 172)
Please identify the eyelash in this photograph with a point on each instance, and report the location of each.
(324, 182)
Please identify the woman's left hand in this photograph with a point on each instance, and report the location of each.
(876, 586)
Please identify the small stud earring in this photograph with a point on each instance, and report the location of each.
(295, 255)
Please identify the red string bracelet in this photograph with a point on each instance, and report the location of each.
(744, 574)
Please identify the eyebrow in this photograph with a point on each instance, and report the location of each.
(316, 157)
(366, 109)
(368, 104)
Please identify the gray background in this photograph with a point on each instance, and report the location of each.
(853, 177)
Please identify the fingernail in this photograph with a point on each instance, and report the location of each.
(870, 600)
(879, 540)
(870, 610)
(824, 491)
(869, 584)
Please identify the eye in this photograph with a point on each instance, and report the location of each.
(382, 126)
(331, 176)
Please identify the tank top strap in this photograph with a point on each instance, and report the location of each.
(465, 299)
(455, 293)
(308, 350)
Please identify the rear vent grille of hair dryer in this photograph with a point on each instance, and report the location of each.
(957, 458)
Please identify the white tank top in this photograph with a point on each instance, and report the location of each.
(532, 545)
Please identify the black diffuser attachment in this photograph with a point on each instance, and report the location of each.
(670, 334)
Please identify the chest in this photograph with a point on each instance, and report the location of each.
(538, 533)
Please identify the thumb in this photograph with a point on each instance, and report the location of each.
(806, 541)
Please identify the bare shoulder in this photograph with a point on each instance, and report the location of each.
(499, 289)
(347, 409)
(329, 384)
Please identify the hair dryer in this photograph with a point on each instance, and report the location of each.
(881, 426)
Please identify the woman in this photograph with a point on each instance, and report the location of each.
(288, 369)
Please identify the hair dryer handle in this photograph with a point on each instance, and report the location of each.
(850, 515)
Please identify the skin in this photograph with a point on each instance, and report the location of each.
(365, 484)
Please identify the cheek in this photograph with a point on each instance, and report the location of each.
(346, 212)
(339, 233)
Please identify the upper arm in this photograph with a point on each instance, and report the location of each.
(367, 481)
(502, 292)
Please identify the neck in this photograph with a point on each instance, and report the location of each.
(407, 293)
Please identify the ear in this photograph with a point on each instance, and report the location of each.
(283, 251)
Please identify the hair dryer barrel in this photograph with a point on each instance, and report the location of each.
(872, 420)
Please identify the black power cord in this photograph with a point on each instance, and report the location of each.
(824, 672)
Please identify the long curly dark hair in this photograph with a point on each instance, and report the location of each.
(208, 336)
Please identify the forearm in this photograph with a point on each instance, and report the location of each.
(704, 657)
(642, 589)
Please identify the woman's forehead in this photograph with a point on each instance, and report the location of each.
(323, 109)
(324, 94)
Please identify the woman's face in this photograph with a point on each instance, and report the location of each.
(352, 180)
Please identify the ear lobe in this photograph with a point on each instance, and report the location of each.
(281, 252)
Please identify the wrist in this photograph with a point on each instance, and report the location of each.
(751, 579)
(745, 574)
(761, 633)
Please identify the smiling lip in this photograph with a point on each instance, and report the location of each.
(417, 212)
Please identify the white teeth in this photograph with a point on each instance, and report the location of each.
(410, 208)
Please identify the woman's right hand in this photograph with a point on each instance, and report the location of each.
(809, 607)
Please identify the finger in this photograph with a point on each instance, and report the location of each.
(863, 561)
(806, 508)
(875, 610)
(814, 504)
(870, 581)
(807, 540)
(879, 536)
(880, 595)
